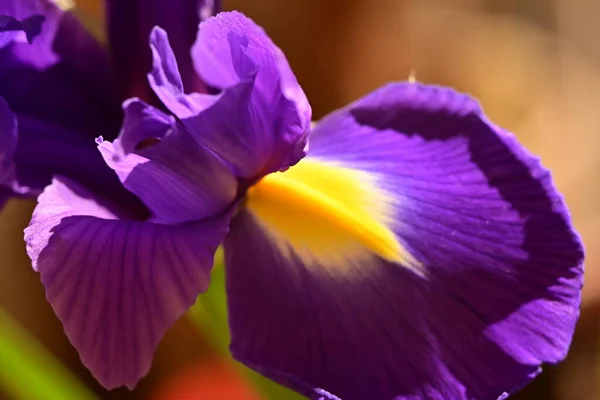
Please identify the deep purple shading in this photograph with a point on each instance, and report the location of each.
(8, 144)
(64, 77)
(233, 52)
(60, 87)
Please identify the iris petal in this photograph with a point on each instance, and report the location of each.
(272, 115)
(176, 179)
(116, 285)
(501, 287)
(326, 214)
(365, 338)
(232, 50)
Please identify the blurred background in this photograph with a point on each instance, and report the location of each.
(535, 66)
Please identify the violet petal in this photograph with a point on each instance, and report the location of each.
(116, 285)
(502, 267)
(178, 180)
(260, 121)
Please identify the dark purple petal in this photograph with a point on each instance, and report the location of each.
(13, 30)
(62, 77)
(502, 266)
(260, 121)
(176, 179)
(8, 145)
(365, 338)
(44, 150)
(129, 25)
(5, 195)
(116, 285)
(60, 88)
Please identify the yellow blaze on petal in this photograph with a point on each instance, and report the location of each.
(327, 214)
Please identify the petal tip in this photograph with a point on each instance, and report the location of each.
(157, 33)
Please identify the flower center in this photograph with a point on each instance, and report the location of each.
(326, 214)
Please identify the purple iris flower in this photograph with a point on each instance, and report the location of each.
(413, 251)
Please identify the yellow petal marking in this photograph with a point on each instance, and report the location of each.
(327, 214)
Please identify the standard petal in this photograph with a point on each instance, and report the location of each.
(63, 77)
(232, 50)
(175, 178)
(117, 285)
(129, 26)
(498, 284)
(272, 116)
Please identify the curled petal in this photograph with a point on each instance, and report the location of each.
(272, 115)
(117, 285)
(141, 122)
(487, 286)
(230, 50)
(175, 178)
(166, 81)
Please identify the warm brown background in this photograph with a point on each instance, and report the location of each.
(535, 65)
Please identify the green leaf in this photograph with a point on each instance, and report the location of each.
(28, 371)
(209, 314)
